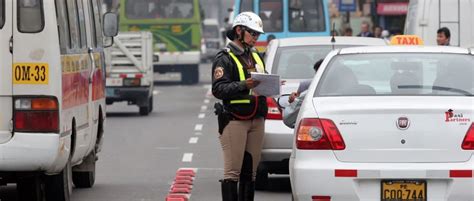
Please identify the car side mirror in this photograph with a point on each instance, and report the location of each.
(283, 101)
(110, 24)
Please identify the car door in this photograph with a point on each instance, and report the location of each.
(6, 57)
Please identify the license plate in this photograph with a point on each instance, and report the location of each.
(114, 82)
(110, 92)
(403, 190)
(30, 73)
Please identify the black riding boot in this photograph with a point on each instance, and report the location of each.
(246, 190)
(229, 190)
(246, 185)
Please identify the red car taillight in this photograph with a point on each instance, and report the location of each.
(319, 134)
(36, 115)
(273, 110)
(468, 142)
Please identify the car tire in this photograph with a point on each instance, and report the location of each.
(31, 189)
(59, 187)
(261, 181)
(144, 110)
(85, 179)
(150, 103)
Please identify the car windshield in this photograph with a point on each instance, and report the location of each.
(297, 62)
(154, 9)
(211, 31)
(398, 74)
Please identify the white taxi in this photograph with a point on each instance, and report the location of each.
(387, 123)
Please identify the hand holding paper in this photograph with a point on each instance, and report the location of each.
(269, 84)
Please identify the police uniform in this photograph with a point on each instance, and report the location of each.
(241, 123)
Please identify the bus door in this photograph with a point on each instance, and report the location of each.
(6, 18)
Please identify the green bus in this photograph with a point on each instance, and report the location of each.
(176, 28)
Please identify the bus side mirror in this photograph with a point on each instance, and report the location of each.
(110, 24)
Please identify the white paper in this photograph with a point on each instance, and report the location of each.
(269, 84)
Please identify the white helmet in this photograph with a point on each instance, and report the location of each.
(250, 20)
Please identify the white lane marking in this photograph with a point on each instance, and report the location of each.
(193, 140)
(187, 157)
(206, 101)
(198, 127)
(198, 133)
(156, 92)
(201, 116)
(167, 148)
(203, 108)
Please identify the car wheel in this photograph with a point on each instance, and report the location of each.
(59, 187)
(261, 182)
(151, 103)
(144, 110)
(85, 179)
(31, 189)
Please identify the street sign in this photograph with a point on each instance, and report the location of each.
(347, 5)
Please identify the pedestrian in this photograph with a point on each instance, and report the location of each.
(290, 113)
(348, 31)
(242, 112)
(304, 85)
(443, 36)
(364, 30)
(378, 32)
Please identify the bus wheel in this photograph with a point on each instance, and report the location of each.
(59, 187)
(190, 74)
(31, 189)
(83, 176)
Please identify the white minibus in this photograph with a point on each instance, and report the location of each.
(52, 94)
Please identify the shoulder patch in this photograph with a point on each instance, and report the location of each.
(218, 72)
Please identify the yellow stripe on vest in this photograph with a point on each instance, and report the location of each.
(239, 101)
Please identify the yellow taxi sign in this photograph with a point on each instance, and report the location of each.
(406, 40)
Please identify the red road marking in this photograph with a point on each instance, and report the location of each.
(182, 186)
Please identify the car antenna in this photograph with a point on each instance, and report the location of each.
(333, 33)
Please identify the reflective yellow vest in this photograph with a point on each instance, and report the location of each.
(259, 66)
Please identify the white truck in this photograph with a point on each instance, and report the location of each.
(130, 70)
(425, 17)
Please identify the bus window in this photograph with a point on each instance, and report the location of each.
(271, 12)
(63, 26)
(306, 16)
(73, 23)
(82, 24)
(2, 13)
(151, 9)
(92, 25)
(97, 19)
(30, 18)
(246, 5)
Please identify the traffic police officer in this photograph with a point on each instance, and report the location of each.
(242, 112)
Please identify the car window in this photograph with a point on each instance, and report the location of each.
(398, 74)
(30, 16)
(211, 31)
(297, 62)
(2, 13)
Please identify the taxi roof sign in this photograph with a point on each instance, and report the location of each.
(406, 40)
